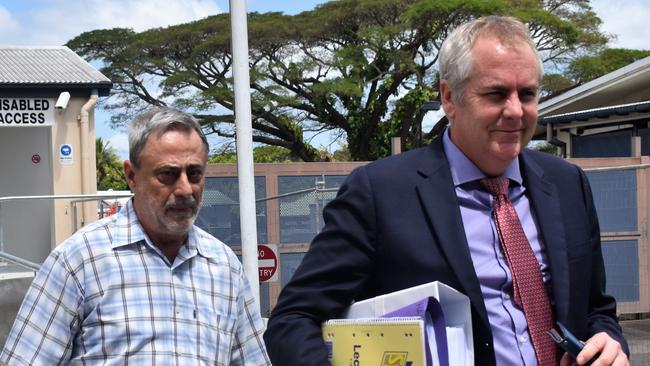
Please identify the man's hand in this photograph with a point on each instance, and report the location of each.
(610, 351)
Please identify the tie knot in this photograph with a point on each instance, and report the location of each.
(496, 186)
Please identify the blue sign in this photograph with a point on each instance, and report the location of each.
(66, 150)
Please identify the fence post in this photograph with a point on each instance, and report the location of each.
(395, 145)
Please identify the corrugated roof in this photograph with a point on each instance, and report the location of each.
(605, 112)
(24, 66)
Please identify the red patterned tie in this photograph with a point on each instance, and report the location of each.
(529, 291)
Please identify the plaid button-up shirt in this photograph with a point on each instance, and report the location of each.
(108, 296)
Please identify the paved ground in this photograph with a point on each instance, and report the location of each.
(637, 333)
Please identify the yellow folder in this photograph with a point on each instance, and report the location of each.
(375, 341)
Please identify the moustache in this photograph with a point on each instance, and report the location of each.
(182, 203)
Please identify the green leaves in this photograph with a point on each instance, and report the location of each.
(110, 174)
(361, 68)
(553, 84)
(584, 69)
(261, 154)
(588, 68)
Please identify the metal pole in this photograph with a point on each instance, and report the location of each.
(23, 262)
(73, 208)
(245, 171)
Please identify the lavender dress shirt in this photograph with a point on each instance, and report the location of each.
(512, 343)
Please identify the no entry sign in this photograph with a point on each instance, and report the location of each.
(267, 257)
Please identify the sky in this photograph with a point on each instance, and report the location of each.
(54, 22)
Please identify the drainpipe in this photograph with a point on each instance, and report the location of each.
(84, 121)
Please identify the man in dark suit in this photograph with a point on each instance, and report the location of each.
(425, 216)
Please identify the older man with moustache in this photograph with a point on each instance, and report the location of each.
(144, 286)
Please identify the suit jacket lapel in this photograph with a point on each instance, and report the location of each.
(545, 204)
(438, 197)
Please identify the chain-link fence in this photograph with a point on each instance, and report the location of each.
(291, 216)
(298, 207)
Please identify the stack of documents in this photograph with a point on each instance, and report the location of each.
(444, 315)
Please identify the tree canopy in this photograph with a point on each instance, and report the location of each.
(361, 68)
(261, 154)
(589, 67)
(275, 154)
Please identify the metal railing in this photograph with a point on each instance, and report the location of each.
(319, 188)
(20, 261)
(74, 200)
(616, 167)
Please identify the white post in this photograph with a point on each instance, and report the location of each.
(636, 146)
(245, 173)
(395, 145)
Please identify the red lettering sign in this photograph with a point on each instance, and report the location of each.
(267, 262)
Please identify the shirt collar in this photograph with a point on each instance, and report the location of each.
(204, 243)
(127, 227)
(464, 171)
(128, 231)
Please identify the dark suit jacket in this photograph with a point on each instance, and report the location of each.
(396, 223)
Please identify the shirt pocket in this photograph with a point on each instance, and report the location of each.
(215, 334)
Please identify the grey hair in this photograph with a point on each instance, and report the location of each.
(456, 60)
(158, 120)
